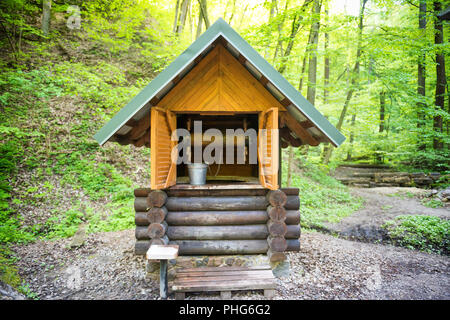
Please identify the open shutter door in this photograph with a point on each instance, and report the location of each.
(268, 148)
(163, 167)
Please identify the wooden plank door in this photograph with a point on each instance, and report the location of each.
(268, 151)
(163, 166)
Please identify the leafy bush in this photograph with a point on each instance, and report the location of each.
(426, 233)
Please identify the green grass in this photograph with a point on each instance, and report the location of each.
(322, 198)
(425, 233)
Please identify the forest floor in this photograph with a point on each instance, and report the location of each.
(380, 205)
(326, 267)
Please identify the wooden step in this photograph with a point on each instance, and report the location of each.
(224, 279)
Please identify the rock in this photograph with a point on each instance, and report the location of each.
(431, 193)
(79, 237)
(281, 269)
(444, 194)
(423, 181)
(8, 291)
(435, 175)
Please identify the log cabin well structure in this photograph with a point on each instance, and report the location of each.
(223, 82)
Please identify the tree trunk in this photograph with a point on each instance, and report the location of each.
(382, 111)
(354, 80)
(326, 68)
(279, 46)
(46, 14)
(175, 22)
(312, 65)
(305, 57)
(440, 78)
(421, 76)
(182, 20)
(199, 24)
(232, 12)
(268, 36)
(289, 169)
(352, 137)
(204, 11)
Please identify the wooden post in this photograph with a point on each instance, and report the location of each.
(162, 253)
(163, 290)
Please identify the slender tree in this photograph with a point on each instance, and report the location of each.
(312, 65)
(421, 75)
(233, 11)
(182, 18)
(354, 79)
(204, 10)
(279, 45)
(440, 76)
(46, 14)
(326, 64)
(199, 24)
(295, 27)
(175, 22)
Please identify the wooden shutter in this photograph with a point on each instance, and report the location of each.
(163, 169)
(268, 148)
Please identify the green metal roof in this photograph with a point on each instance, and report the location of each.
(221, 28)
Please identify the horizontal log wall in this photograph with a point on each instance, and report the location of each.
(211, 218)
(203, 221)
(237, 232)
(206, 247)
(216, 203)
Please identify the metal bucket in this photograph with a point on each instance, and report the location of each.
(197, 173)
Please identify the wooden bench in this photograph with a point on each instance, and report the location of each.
(224, 279)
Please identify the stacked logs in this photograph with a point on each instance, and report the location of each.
(156, 215)
(276, 225)
(209, 222)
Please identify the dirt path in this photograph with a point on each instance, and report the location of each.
(325, 268)
(382, 204)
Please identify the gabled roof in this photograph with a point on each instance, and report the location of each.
(297, 106)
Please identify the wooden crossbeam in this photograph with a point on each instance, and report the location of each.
(285, 133)
(307, 124)
(301, 132)
(144, 140)
(131, 123)
(285, 102)
(263, 80)
(242, 59)
(154, 101)
(122, 140)
(140, 128)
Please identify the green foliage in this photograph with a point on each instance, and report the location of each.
(26, 290)
(10, 152)
(322, 198)
(426, 233)
(8, 271)
(432, 203)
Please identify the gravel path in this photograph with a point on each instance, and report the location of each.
(325, 268)
(380, 205)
